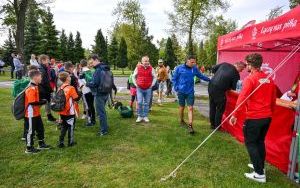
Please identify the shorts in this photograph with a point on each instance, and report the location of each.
(162, 86)
(187, 99)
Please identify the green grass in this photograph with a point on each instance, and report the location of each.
(130, 156)
(119, 73)
(5, 77)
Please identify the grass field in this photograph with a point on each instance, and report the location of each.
(130, 156)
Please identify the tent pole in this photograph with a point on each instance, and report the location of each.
(293, 158)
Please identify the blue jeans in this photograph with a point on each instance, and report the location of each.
(100, 101)
(143, 100)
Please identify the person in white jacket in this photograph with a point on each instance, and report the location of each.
(87, 96)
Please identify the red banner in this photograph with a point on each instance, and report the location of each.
(278, 139)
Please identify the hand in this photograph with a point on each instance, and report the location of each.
(232, 120)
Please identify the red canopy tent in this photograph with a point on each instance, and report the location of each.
(274, 40)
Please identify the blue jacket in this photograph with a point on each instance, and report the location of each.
(94, 83)
(183, 78)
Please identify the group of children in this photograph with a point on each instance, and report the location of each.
(72, 83)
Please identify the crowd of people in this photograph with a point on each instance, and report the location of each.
(93, 81)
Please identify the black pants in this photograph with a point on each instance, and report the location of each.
(19, 74)
(88, 100)
(12, 72)
(34, 125)
(68, 124)
(217, 105)
(255, 131)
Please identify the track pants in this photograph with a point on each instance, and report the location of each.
(68, 124)
(88, 100)
(216, 109)
(34, 125)
(255, 131)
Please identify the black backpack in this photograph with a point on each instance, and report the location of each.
(106, 81)
(18, 106)
(58, 101)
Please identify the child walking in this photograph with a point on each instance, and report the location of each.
(33, 122)
(132, 89)
(69, 113)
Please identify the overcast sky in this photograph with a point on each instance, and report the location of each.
(87, 16)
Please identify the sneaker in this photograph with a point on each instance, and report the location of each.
(183, 124)
(51, 118)
(146, 119)
(44, 146)
(139, 120)
(190, 129)
(256, 177)
(23, 139)
(83, 116)
(252, 167)
(31, 150)
(159, 101)
(61, 145)
(72, 144)
(102, 134)
(89, 124)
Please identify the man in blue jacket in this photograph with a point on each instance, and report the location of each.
(101, 96)
(183, 80)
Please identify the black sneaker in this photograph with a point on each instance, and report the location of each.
(72, 144)
(183, 124)
(31, 150)
(61, 145)
(51, 118)
(43, 146)
(89, 124)
(190, 129)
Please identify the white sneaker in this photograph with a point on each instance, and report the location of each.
(139, 120)
(83, 116)
(256, 177)
(159, 101)
(146, 119)
(252, 167)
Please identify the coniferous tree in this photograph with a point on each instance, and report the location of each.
(100, 46)
(49, 42)
(70, 49)
(170, 57)
(113, 52)
(63, 50)
(32, 35)
(78, 50)
(8, 48)
(123, 59)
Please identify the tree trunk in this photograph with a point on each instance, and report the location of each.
(190, 39)
(20, 11)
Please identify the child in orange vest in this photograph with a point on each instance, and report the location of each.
(33, 121)
(70, 112)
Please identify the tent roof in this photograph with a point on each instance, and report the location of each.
(279, 34)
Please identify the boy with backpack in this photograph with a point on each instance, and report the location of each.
(70, 109)
(88, 98)
(33, 121)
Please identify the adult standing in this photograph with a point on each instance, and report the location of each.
(225, 78)
(144, 79)
(33, 60)
(183, 80)
(162, 76)
(45, 87)
(259, 104)
(101, 86)
(18, 67)
(12, 66)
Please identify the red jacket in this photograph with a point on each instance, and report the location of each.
(144, 77)
(262, 102)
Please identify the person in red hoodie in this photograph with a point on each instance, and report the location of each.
(259, 104)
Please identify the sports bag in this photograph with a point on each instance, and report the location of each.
(18, 106)
(58, 101)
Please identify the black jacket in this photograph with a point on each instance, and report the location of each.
(45, 88)
(225, 78)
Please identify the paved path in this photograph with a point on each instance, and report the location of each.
(121, 83)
